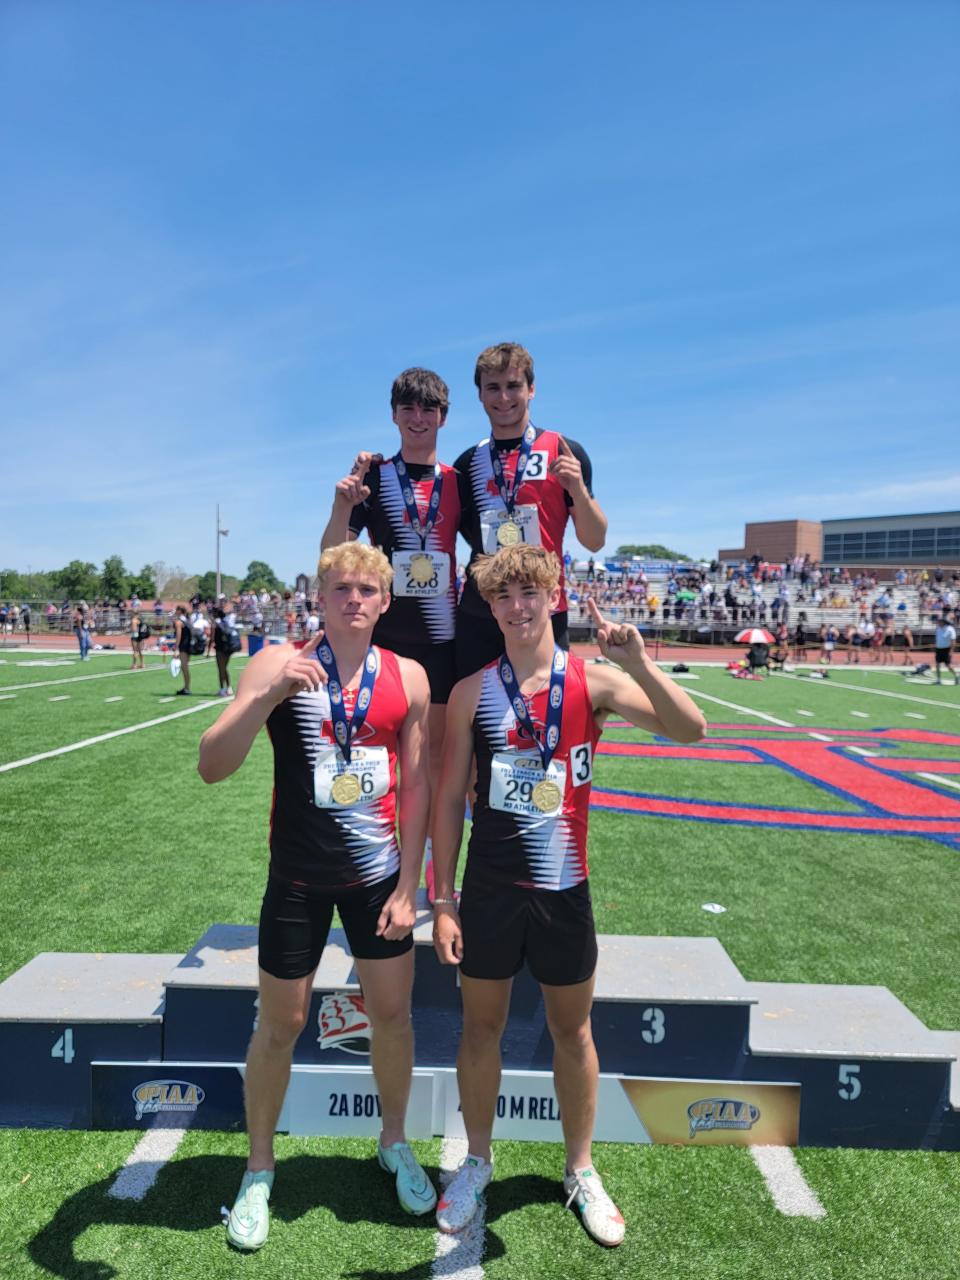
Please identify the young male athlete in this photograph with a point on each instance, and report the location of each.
(532, 719)
(521, 484)
(333, 843)
(410, 506)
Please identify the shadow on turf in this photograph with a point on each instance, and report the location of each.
(188, 1194)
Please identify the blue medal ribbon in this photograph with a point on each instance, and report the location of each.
(345, 731)
(508, 494)
(421, 527)
(558, 675)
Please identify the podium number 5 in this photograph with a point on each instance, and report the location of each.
(850, 1086)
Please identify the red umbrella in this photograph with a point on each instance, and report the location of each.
(753, 635)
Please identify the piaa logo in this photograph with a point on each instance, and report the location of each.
(155, 1096)
(721, 1113)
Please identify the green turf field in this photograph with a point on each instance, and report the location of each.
(120, 846)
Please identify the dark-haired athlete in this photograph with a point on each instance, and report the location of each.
(521, 484)
(410, 506)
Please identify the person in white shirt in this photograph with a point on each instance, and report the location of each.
(944, 638)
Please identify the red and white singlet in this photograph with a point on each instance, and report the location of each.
(512, 840)
(316, 842)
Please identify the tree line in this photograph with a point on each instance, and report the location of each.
(82, 580)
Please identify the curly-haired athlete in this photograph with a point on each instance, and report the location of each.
(532, 719)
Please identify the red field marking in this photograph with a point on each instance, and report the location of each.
(653, 750)
(890, 800)
(667, 807)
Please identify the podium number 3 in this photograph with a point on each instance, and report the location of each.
(849, 1077)
(654, 1031)
(64, 1047)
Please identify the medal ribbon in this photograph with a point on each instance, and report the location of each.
(421, 527)
(343, 731)
(558, 675)
(508, 494)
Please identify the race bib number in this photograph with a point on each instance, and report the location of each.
(338, 785)
(420, 574)
(518, 784)
(581, 764)
(522, 526)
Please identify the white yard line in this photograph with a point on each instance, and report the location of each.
(144, 1163)
(915, 715)
(876, 693)
(862, 714)
(100, 675)
(457, 1257)
(938, 777)
(735, 706)
(61, 697)
(7, 697)
(104, 737)
(803, 713)
(118, 698)
(862, 751)
(791, 1192)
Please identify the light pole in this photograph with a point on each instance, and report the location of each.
(221, 533)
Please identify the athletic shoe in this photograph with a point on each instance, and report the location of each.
(462, 1195)
(183, 693)
(414, 1189)
(249, 1220)
(601, 1217)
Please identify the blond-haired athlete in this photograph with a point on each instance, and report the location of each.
(338, 749)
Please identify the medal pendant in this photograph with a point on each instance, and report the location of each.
(421, 569)
(508, 533)
(345, 789)
(546, 795)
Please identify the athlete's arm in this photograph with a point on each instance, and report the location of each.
(448, 814)
(350, 492)
(639, 691)
(413, 802)
(275, 673)
(588, 520)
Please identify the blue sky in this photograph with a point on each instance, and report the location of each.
(727, 231)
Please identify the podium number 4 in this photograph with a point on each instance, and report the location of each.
(64, 1047)
(849, 1077)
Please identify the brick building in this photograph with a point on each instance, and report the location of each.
(776, 540)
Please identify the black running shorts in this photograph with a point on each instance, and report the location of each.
(505, 927)
(436, 659)
(480, 640)
(294, 926)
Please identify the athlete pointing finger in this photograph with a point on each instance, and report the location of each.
(621, 642)
(531, 721)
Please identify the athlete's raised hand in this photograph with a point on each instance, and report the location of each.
(566, 468)
(352, 490)
(301, 673)
(621, 642)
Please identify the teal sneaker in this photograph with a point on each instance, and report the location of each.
(249, 1220)
(415, 1191)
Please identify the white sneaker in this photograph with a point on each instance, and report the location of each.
(459, 1201)
(601, 1217)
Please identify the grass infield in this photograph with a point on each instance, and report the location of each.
(120, 846)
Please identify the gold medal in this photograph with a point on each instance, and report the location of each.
(546, 795)
(421, 569)
(508, 533)
(346, 789)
